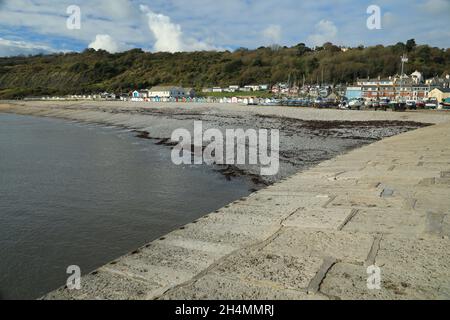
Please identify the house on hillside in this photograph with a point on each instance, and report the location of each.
(439, 82)
(166, 92)
(189, 93)
(417, 77)
(252, 87)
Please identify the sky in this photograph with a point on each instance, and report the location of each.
(46, 26)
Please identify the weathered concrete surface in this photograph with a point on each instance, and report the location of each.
(310, 236)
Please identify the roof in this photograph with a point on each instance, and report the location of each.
(163, 88)
(445, 90)
(332, 96)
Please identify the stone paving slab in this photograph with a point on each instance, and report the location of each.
(398, 222)
(218, 287)
(269, 269)
(346, 246)
(310, 236)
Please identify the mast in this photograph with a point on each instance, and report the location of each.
(404, 59)
(322, 79)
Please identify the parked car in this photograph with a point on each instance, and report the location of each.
(397, 106)
(384, 104)
(343, 105)
(411, 105)
(420, 105)
(356, 104)
(431, 103)
(368, 104)
(376, 105)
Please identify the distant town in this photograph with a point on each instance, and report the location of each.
(412, 90)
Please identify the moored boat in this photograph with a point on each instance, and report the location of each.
(446, 104)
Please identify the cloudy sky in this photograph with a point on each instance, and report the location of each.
(42, 26)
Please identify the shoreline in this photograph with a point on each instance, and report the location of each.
(318, 226)
(62, 293)
(308, 136)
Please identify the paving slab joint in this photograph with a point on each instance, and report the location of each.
(372, 256)
(316, 282)
(349, 218)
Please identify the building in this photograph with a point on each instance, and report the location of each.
(280, 88)
(166, 92)
(377, 88)
(417, 77)
(139, 94)
(419, 92)
(404, 87)
(439, 82)
(440, 94)
(108, 96)
(253, 87)
(353, 93)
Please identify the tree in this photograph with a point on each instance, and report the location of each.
(313, 64)
(410, 45)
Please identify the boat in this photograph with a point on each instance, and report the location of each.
(431, 103)
(355, 104)
(446, 104)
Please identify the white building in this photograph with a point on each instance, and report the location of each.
(417, 77)
(252, 87)
(166, 92)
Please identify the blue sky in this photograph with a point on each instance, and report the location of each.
(34, 26)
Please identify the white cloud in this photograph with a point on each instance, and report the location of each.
(388, 20)
(272, 34)
(13, 48)
(437, 6)
(325, 31)
(207, 24)
(104, 42)
(169, 36)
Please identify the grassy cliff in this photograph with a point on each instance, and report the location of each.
(93, 71)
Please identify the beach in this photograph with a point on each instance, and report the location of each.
(307, 136)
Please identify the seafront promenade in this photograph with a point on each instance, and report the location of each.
(311, 236)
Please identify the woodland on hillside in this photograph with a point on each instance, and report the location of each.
(94, 71)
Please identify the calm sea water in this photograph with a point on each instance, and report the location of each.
(77, 194)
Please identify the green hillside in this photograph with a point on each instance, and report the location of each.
(93, 71)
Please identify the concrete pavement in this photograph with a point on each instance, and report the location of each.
(311, 236)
